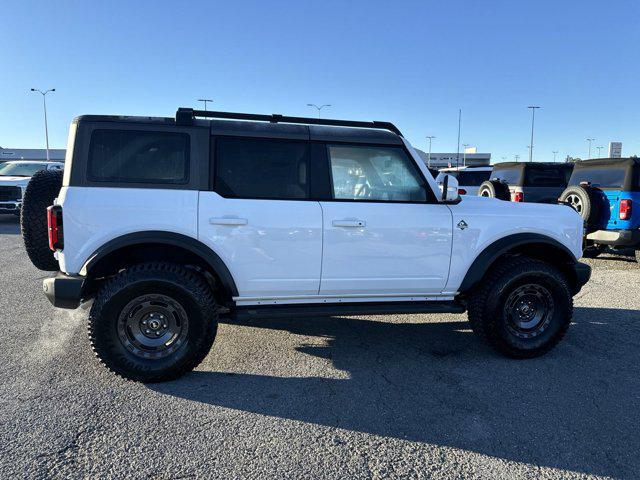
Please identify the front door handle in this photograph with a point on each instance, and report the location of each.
(228, 221)
(349, 223)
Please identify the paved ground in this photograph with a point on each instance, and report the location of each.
(399, 396)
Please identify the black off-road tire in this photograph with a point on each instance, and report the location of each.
(486, 308)
(494, 189)
(585, 200)
(186, 287)
(42, 189)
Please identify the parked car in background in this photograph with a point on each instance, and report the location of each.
(533, 182)
(14, 177)
(469, 178)
(606, 193)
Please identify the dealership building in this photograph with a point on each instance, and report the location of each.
(38, 154)
(442, 160)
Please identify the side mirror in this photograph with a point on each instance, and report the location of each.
(449, 187)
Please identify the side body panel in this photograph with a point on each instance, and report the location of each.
(488, 220)
(94, 216)
(392, 248)
(272, 247)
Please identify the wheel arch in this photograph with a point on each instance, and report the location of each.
(139, 247)
(533, 245)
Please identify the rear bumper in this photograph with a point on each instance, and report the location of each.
(64, 291)
(622, 238)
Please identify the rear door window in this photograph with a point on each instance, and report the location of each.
(129, 156)
(262, 168)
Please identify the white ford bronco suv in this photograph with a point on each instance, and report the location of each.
(165, 224)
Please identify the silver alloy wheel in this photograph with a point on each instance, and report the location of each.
(153, 326)
(575, 202)
(528, 310)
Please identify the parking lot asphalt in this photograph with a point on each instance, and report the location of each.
(395, 396)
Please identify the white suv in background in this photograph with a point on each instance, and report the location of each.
(14, 177)
(469, 178)
(166, 224)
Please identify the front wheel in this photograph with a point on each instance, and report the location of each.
(522, 308)
(153, 322)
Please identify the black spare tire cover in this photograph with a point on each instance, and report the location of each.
(586, 201)
(494, 189)
(42, 189)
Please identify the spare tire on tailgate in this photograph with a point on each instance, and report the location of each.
(585, 200)
(42, 189)
(495, 189)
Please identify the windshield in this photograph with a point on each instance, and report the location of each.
(20, 169)
(599, 177)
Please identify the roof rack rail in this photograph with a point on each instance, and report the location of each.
(185, 116)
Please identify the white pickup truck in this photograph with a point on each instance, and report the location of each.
(167, 223)
(14, 177)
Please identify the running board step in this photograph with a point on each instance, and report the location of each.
(343, 309)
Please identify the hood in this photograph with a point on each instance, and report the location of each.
(14, 181)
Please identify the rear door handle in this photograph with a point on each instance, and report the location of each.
(349, 223)
(228, 221)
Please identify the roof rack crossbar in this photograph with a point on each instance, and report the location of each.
(185, 116)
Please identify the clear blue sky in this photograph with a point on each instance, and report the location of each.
(413, 63)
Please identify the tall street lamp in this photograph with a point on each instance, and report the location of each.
(464, 154)
(44, 103)
(205, 100)
(555, 152)
(599, 148)
(319, 108)
(429, 137)
(516, 157)
(533, 119)
(590, 140)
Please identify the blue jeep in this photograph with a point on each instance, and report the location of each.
(606, 193)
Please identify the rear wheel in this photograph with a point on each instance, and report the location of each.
(523, 308)
(153, 322)
(494, 189)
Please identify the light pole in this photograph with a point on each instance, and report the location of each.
(459, 125)
(464, 154)
(555, 152)
(599, 150)
(319, 108)
(533, 119)
(590, 140)
(516, 157)
(44, 103)
(205, 100)
(429, 137)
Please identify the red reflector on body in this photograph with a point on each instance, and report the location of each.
(518, 197)
(625, 209)
(462, 191)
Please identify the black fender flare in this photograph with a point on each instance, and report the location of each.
(168, 238)
(505, 245)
